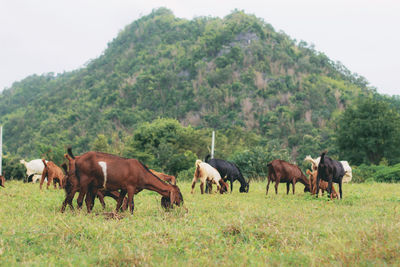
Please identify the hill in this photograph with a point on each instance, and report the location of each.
(231, 74)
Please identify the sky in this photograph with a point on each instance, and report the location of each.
(41, 36)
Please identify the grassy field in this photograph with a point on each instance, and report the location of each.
(234, 229)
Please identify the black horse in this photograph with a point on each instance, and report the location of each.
(228, 171)
(330, 171)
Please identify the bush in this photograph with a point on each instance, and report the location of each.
(12, 168)
(388, 174)
(362, 173)
(377, 173)
(186, 175)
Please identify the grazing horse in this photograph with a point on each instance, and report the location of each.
(52, 172)
(280, 171)
(330, 171)
(168, 178)
(96, 170)
(348, 171)
(72, 184)
(34, 169)
(229, 171)
(206, 173)
(322, 184)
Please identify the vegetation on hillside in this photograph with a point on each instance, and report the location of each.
(164, 83)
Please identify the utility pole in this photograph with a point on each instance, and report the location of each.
(212, 144)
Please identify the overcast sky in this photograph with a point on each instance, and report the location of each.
(40, 36)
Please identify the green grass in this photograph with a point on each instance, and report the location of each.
(234, 229)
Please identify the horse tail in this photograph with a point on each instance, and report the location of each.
(69, 149)
(207, 159)
(271, 172)
(197, 172)
(44, 162)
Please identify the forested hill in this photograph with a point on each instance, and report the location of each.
(231, 73)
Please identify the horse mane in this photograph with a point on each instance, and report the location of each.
(148, 170)
(323, 157)
(111, 155)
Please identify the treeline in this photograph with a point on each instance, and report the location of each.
(365, 134)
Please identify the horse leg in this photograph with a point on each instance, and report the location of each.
(125, 204)
(120, 199)
(287, 188)
(276, 187)
(100, 196)
(131, 192)
(68, 200)
(208, 185)
(82, 193)
(92, 198)
(293, 185)
(49, 180)
(330, 188)
(41, 180)
(88, 200)
(193, 184)
(340, 189)
(208, 188)
(269, 180)
(202, 187)
(231, 180)
(218, 188)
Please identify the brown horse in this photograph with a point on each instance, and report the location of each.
(52, 172)
(322, 184)
(168, 178)
(72, 186)
(280, 171)
(96, 170)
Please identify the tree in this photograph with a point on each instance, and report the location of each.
(100, 144)
(368, 131)
(165, 145)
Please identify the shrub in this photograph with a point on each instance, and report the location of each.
(388, 174)
(186, 175)
(12, 168)
(377, 173)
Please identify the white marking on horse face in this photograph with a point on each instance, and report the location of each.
(103, 166)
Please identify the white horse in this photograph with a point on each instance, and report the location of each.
(34, 168)
(206, 173)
